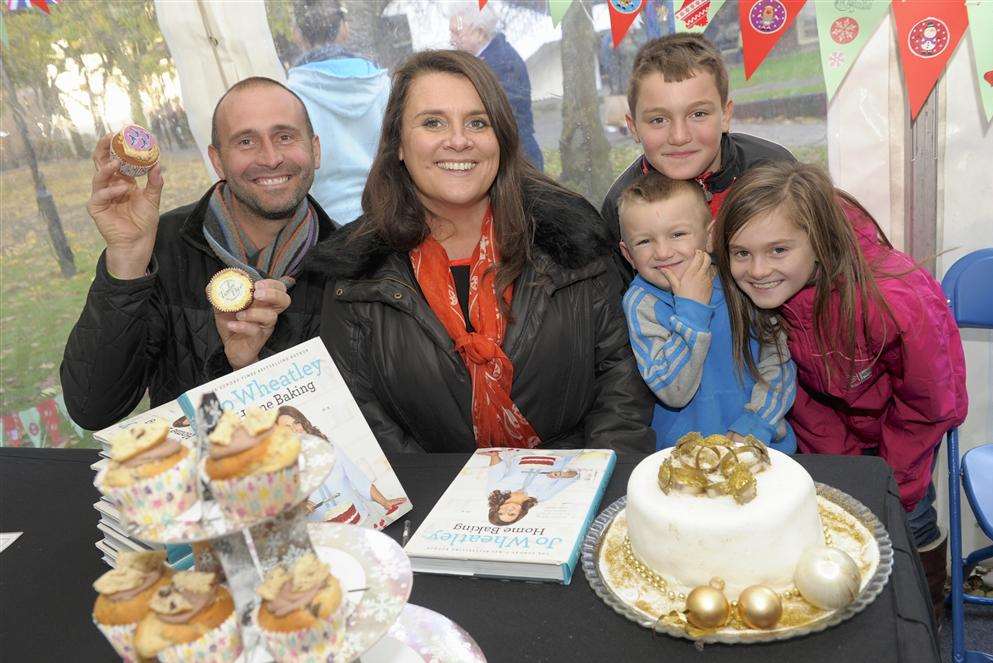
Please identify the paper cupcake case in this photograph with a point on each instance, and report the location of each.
(219, 645)
(312, 645)
(257, 496)
(131, 170)
(121, 638)
(158, 500)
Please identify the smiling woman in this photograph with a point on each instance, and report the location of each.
(475, 303)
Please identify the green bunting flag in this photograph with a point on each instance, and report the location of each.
(981, 32)
(695, 15)
(558, 8)
(843, 28)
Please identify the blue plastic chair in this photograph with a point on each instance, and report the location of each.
(969, 288)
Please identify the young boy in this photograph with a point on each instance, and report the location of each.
(680, 329)
(680, 113)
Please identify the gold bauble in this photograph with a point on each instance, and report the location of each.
(707, 608)
(759, 607)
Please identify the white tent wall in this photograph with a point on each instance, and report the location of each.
(965, 224)
(865, 133)
(214, 45)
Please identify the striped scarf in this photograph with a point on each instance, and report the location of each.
(280, 260)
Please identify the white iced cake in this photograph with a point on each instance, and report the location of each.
(742, 513)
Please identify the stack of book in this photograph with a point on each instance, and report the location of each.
(115, 537)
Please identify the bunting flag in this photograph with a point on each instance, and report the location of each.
(60, 403)
(50, 421)
(13, 432)
(843, 28)
(981, 31)
(763, 22)
(622, 15)
(696, 15)
(43, 5)
(558, 8)
(482, 3)
(926, 36)
(31, 423)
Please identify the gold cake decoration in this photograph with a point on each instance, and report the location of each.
(714, 466)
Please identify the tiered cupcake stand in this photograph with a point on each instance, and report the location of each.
(374, 572)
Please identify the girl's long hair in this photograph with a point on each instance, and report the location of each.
(845, 285)
(393, 210)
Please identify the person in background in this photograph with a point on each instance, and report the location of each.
(345, 95)
(474, 30)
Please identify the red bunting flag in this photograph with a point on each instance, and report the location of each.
(622, 15)
(926, 34)
(482, 3)
(51, 420)
(763, 22)
(13, 434)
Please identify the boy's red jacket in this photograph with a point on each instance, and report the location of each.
(908, 386)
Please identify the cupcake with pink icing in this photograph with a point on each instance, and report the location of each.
(136, 149)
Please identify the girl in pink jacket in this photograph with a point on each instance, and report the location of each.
(880, 367)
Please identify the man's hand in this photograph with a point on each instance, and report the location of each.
(697, 281)
(245, 332)
(126, 215)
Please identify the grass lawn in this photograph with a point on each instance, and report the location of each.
(778, 77)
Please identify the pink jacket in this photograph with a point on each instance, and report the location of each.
(909, 383)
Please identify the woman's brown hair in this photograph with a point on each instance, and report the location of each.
(392, 208)
(496, 499)
(804, 194)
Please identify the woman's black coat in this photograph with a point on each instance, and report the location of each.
(575, 379)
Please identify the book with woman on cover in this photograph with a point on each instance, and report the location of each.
(307, 390)
(514, 513)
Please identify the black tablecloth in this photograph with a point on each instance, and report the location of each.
(46, 595)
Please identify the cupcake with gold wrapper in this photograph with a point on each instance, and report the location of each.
(136, 149)
(151, 475)
(252, 465)
(301, 616)
(124, 594)
(230, 290)
(190, 619)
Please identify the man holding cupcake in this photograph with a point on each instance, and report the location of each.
(149, 321)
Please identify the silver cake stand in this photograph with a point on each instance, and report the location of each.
(592, 558)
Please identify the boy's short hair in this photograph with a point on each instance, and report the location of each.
(654, 187)
(677, 57)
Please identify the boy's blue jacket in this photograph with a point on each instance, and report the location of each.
(684, 354)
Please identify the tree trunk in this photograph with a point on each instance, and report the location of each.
(583, 147)
(46, 204)
(375, 37)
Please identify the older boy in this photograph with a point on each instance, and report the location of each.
(680, 113)
(680, 329)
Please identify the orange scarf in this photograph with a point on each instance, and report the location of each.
(496, 421)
